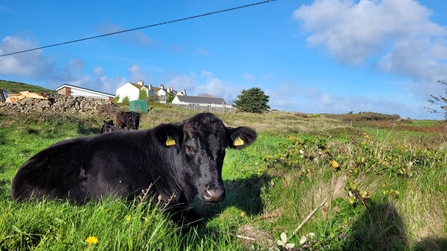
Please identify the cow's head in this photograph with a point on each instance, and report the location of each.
(136, 120)
(201, 142)
(133, 120)
(107, 126)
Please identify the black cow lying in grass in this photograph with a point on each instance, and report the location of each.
(178, 162)
(128, 120)
(109, 127)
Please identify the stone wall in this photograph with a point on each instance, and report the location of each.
(61, 103)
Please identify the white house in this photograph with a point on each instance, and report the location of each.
(131, 90)
(203, 103)
(72, 90)
(200, 102)
(162, 91)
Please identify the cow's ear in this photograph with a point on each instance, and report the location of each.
(240, 137)
(168, 135)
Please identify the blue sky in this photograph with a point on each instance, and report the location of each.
(310, 56)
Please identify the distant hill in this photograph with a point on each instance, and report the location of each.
(16, 87)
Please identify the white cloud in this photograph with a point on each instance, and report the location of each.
(98, 71)
(203, 52)
(294, 97)
(34, 65)
(109, 85)
(182, 82)
(248, 77)
(137, 73)
(292, 90)
(207, 74)
(141, 39)
(79, 81)
(397, 36)
(418, 59)
(30, 64)
(75, 66)
(267, 77)
(104, 83)
(325, 103)
(71, 73)
(218, 88)
(212, 85)
(353, 32)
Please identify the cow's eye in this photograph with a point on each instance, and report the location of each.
(190, 151)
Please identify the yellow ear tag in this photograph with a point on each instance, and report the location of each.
(170, 141)
(238, 142)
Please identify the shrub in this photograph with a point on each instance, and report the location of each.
(126, 100)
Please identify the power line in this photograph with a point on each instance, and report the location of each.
(139, 28)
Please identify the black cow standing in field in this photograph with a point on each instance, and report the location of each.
(178, 162)
(108, 126)
(128, 120)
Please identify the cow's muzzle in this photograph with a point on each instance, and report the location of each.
(214, 194)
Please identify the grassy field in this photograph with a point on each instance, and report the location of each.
(311, 182)
(16, 87)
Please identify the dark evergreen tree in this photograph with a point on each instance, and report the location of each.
(440, 101)
(253, 100)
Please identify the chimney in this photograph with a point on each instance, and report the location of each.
(184, 92)
(162, 87)
(141, 82)
(67, 91)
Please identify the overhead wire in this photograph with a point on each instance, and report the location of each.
(138, 28)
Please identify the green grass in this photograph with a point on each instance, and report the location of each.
(60, 226)
(388, 192)
(16, 87)
(425, 122)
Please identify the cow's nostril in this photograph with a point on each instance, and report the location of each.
(214, 194)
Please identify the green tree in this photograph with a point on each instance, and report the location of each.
(126, 100)
(116, 99)
(440, 101)
(252, 100)
(142, 95)
(171, 97)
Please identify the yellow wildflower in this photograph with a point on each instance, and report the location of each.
(365, 194)
(365, 135)
(92, 240)
(334, 164)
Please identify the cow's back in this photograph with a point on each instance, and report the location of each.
(50, 174)
(85, 168)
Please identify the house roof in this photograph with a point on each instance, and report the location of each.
(201, 100)
(82, 88)
(138, 85)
